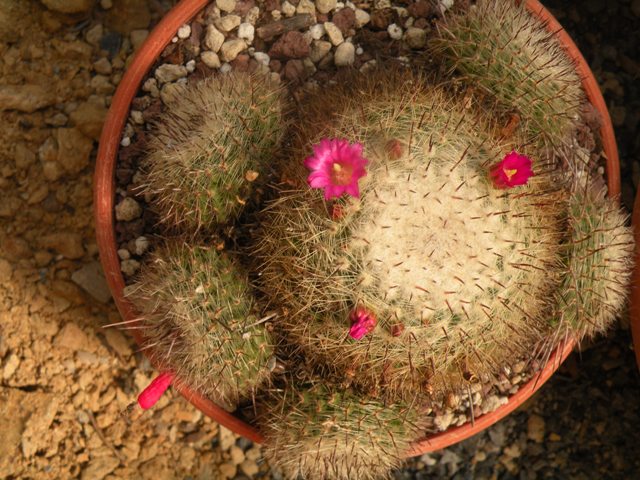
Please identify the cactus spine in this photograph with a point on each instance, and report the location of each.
(216, 138)
(199, 320)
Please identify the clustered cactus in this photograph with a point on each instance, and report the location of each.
(417, 242)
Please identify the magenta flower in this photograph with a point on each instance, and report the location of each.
(362, 322)
(513, 170)
(336, 166)
(150, 395)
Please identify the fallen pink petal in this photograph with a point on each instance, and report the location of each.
(512, 171)
(362, 322)
(336, 166)
(150, 395)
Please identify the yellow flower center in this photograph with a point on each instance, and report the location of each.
(510, 173)
(341, 174)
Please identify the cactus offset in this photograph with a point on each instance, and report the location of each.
(198, 319)
(599, 255)
(502, 48)
(213, 142)
(323, 432)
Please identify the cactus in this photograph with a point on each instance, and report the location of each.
(500, 47)
(321, 432)
(211, 145)
(598, 260)
(429, 247)
(458, 273)
(198, 319)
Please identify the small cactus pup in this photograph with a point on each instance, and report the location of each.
(419, 249)
(199, 321)
(321, 432)
(498, 46)
(212, 143)
(599, 262)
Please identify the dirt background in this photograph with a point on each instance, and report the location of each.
(68, 385)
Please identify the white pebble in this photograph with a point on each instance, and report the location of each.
(288, 9)
(362, 18)
(246, 31)
(395, 32)
(325, 6)
(184, 31)
(446, 4)
(213, 38)
(124, 254)
(174, 40)
(142, 244)
(252, 15)
(210, 59)
(226, 5)
(345, 54)
(262, 58)
(190, 65)
(151, 85)
(306, 6)
(129, 267)
(334, 33)
(225, 68)
(137, 117)
(317, 31)
(126, 141)
(359, 51)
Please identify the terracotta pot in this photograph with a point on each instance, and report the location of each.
(104, 195)
(634, 310)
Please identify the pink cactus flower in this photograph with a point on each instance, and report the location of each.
(513, 170)
(336, 166)
(150, 395)
(362, 322)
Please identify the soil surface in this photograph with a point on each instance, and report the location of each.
(68, 385)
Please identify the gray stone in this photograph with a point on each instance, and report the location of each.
(128, 209)
(91, 279)
(170, 73)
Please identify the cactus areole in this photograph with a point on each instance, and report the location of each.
(414, 246)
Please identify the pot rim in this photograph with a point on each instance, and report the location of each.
(104, 196)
